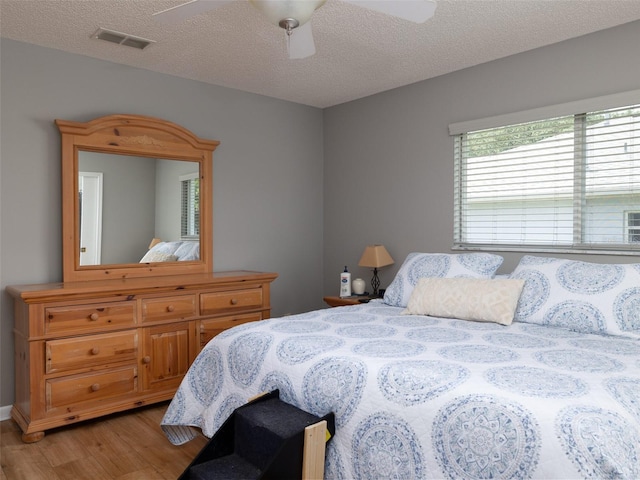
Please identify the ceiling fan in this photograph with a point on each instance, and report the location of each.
(293, 15)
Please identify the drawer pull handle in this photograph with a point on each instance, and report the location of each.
(95, 351)
(170, 308)
(94, 317)
(146, 359)
(234, 301)
(95, 387)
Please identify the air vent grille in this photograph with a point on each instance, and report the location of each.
(122, 38)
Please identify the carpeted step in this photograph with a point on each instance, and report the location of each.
(261, 430)
(225, 468)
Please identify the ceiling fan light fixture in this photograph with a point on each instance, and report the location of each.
(287, 12)
(289, 24)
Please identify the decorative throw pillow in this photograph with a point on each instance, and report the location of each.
(155, 256)
(478, 299)
(441, 265)
(580, 296)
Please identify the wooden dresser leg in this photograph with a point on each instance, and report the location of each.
(32, 437)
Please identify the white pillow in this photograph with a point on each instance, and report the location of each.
(478, 299)
(188, 251)
(166, 247)
(442, 265)
(580, 296)
(155, 256)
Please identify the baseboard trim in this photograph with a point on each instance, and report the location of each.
(5, 413)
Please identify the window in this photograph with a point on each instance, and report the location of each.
(190, 206)
(633, 227)
(569, 183)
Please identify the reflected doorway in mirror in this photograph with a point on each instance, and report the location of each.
(90, 201)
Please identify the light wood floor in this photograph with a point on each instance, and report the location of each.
(127, 446)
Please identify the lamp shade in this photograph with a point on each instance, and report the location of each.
(375, 256)
(277, 10)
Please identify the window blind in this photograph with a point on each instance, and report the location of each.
(567, 182)
(190, 207)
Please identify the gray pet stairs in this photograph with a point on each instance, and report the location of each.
(265, 439)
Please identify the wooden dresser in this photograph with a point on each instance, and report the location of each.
(91, 348)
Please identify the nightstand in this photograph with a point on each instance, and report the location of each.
(342, 301)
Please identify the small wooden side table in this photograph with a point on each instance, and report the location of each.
(342, 301)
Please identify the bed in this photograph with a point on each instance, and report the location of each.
(456, 373)
(180, 251)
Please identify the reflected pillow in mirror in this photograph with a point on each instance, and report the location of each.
(188, 251)
(166, 247)
(155, 256)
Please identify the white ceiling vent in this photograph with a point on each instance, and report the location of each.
(122, 38)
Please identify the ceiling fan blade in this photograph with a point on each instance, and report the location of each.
(417, 11)
(301, 44)
(186, 10)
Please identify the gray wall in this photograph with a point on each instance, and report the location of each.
(267, 200)
(389, 158)
(128, 204)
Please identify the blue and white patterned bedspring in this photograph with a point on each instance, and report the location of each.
(423, 397)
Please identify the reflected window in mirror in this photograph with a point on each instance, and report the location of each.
(190, 217)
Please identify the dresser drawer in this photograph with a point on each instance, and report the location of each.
(211, 303)
(90, 388)
(168, 308)
(89, 318)
(211, 327)
(92, 350)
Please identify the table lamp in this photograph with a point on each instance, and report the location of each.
(375, 256)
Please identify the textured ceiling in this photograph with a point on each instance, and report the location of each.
(359, 52)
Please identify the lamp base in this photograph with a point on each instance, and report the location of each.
(375, 282)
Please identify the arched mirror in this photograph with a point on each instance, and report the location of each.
(136, 198)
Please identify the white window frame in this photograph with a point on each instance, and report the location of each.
(458, 130)
(631, 230)
(189, 223)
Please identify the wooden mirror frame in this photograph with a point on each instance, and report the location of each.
(139, 136)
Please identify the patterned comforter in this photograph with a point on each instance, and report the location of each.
(424, 397)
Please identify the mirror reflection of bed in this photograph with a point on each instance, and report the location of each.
(180, 251)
